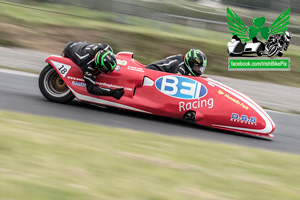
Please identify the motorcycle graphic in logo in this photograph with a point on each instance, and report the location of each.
(277, 37)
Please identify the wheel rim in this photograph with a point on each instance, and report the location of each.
(54, 84)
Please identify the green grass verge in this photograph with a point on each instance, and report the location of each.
(149, 40)
(19, 69)
(47, 158)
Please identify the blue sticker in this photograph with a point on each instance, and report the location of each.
(243, 118)
(180, 87)
(78, 83)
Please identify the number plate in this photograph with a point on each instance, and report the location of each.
(62, 68)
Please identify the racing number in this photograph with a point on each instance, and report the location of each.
(62, 69)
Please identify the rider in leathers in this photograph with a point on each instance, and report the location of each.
(93, 58)
(282, 41)
(193, 63)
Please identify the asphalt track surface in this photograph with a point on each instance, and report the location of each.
(19, 92)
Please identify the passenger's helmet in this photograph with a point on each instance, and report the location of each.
(287, 35)
(105, 61)
(195, 60)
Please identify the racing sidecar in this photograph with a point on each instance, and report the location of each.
(237, 48)
(199, 99)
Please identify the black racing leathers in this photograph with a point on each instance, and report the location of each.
(173, 64)
(83, 53)
(279, 40)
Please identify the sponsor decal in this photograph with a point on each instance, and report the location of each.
(121, 62)
(180, 87)
(242, 104)
(62, 68)
(75, 82)
(185, 106)
(78, 83)
(244, 119)
(269, 124)
(117, 68)
(76, 79)
(113, 86)
(138, 69)
(221, 92)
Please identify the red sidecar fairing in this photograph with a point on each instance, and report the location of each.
(171, 95)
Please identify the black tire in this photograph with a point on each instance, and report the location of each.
(259, 53)
(235, 55)
(53, 87)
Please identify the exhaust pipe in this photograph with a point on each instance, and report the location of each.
(190, 115)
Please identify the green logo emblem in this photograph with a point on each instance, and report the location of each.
(238, 27)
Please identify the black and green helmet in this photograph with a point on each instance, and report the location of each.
(195, 60)
(105, 61)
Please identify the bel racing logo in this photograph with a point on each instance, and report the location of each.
(184, 88)
(180, 87)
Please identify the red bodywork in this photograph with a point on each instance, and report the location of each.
(160, 93)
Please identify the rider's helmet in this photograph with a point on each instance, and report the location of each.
(235, 38)
(195, 60)
(105, 61)
(287, 35)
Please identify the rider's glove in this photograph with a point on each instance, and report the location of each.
(118, 93)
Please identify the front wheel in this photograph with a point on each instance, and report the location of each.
(53, 87)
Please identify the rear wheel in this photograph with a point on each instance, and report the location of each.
(259, 53)
(53, 87)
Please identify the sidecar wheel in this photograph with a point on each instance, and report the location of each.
(53, 87)
(259, 53)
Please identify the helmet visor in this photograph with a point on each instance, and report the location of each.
(105, 70)
(199, 68)
(108, 67)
